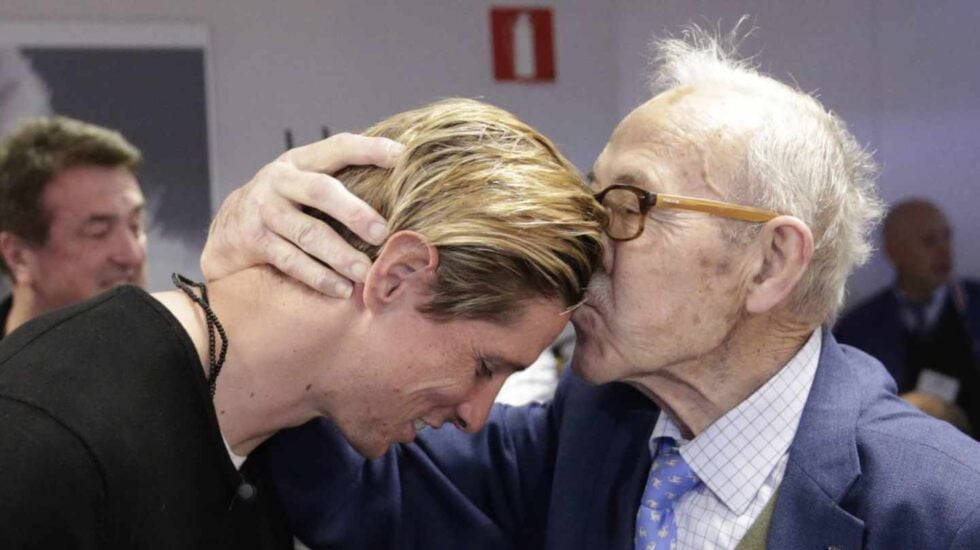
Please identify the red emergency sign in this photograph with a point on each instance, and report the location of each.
(523, 44)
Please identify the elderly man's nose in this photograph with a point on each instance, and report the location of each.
(608, 253)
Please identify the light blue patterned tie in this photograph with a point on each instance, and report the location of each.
(670, 477)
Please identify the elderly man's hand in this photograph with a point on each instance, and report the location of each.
(261, 222)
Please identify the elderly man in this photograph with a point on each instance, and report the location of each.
(71, 216)
(725, 415)
(118, 432)
(925, 328)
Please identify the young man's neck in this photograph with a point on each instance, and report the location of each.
(266, 381)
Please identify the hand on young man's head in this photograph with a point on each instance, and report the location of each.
(262, 221)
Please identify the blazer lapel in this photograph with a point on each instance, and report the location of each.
(823, 463)
(619, 485)
(601, 467)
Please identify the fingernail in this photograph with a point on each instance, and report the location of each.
(342, 290)
(378, 232)
(359, 271)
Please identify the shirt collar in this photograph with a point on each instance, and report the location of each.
(237, 460)
(736, 454)
(933, 307)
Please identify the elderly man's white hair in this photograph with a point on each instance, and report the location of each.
(799, 159)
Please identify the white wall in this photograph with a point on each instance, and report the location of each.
(349, 63)
(902, 73)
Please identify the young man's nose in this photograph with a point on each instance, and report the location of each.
(472, 414)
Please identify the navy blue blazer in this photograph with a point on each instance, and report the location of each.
(875, 326)
(865, 471)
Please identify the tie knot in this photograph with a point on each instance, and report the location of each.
(920, 319)
(670, 467)
(666, 445)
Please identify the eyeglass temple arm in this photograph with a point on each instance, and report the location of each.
(718, 208)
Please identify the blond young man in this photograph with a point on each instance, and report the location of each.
(118, 431)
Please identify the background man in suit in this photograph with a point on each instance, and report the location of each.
(119, 433)
(726, 414)
(925, 328)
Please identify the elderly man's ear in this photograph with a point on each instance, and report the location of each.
(404, 269)
(783, 254)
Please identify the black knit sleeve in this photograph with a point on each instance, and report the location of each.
(51, 489)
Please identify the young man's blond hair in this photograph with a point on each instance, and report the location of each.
(509, 214)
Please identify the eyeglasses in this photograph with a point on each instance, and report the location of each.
(627, 207)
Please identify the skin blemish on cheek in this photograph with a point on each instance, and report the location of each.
(718, 266)
(251, 394)
(308, 387)
(723, 267)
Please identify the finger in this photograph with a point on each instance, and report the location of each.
(329, 196)
(291, 261)
(336, 152)
(317, 239)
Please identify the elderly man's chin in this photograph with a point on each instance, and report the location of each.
(589, 364)
(590, 360)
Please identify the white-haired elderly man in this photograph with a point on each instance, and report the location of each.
(708, 406)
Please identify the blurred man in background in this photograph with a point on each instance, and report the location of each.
(925, 328)
(71, 216)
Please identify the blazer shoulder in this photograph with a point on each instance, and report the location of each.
(923, 458)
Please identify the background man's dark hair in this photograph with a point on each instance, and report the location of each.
(34, 155)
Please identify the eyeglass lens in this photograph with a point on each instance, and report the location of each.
(623, 208)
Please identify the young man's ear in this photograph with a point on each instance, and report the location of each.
(17, 254)
(786, 248)
(404, 268)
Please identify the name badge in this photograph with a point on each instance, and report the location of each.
(938, 384)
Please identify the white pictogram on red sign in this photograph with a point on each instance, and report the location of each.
(523, 44)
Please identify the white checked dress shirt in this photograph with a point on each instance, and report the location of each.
(741, 458)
